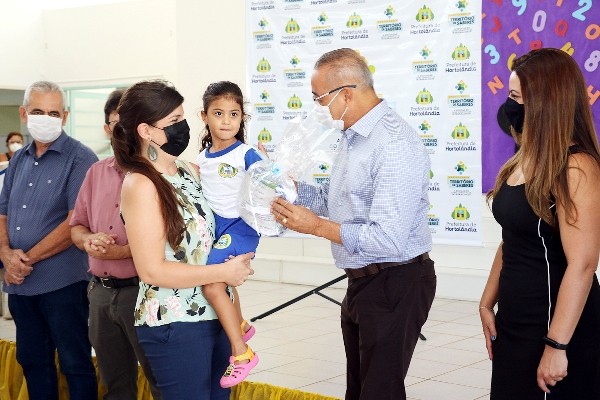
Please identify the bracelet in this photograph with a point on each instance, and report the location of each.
(554, 344)
(486, 308)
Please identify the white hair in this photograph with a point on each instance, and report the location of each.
(44, 87)
(346, 67)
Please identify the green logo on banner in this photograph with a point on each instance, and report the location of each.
(292, 26)
(461, 52)
(389, 11)
(425, 14)
(294, 103)
(460, 132)
(322, 18)
(354, 21)
(264, 136)
(263, 66)
(460, 167)
(424, 97)
(460, 213)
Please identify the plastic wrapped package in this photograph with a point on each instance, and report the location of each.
(263, 183)
(307, 144)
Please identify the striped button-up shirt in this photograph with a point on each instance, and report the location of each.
(377, 192)
(37, 195)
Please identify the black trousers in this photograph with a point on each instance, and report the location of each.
(382, 316)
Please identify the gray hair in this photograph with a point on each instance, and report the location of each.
(347, 67)
(44, 87)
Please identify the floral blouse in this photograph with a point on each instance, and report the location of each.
(157, 306)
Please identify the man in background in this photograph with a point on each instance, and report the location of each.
(45, 275)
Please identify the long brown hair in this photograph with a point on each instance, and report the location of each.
(148, 102)
(557, 115)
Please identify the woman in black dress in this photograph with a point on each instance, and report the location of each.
(544, 342)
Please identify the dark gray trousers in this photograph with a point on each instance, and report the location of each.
(113, 336)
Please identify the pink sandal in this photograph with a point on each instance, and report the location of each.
(247, 335)
(236, 373)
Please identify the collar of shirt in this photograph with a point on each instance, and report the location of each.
(58, 145)
(112, 162)
(365, 125)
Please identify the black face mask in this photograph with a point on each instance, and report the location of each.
(515, 113)
(178, 138)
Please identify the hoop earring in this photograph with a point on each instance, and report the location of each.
(152, 153)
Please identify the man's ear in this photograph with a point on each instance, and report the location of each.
(64, 118)
(348, 95)
(23, 115)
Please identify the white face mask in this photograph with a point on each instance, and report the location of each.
(14, 147)
(322, 114)
(44, 128)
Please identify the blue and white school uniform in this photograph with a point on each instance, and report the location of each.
(222, 174)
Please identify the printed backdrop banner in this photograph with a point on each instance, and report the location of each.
(426, 62)
(512, 28)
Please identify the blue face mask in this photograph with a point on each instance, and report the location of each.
(515, 113)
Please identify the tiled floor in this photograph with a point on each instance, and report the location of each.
(301, 346)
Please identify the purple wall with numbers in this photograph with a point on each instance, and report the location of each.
(512, 28)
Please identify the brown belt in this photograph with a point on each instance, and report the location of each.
(372, 269)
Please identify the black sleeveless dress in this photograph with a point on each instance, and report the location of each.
(533, 265)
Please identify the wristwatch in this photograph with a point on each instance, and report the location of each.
(553, 343)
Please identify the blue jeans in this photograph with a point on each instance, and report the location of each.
(53, 321)
(187, 359)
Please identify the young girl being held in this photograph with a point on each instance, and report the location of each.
(223, 160)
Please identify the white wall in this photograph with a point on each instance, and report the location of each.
(112, 43)
(21, 47)
(183, 41)
(190, 43)
(210, 47)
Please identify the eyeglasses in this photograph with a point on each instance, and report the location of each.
(317, 97)
(111, 125)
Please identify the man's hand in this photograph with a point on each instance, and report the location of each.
(103, 247)
(296, 218)
(99, 241)
(16, 267)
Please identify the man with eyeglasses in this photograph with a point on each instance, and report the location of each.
(377, 203)
(46, 276)
(97, 229)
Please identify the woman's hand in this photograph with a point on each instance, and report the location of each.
(237, 269)
(552, 368)
(488, 321)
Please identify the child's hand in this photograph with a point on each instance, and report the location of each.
(262, 149)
